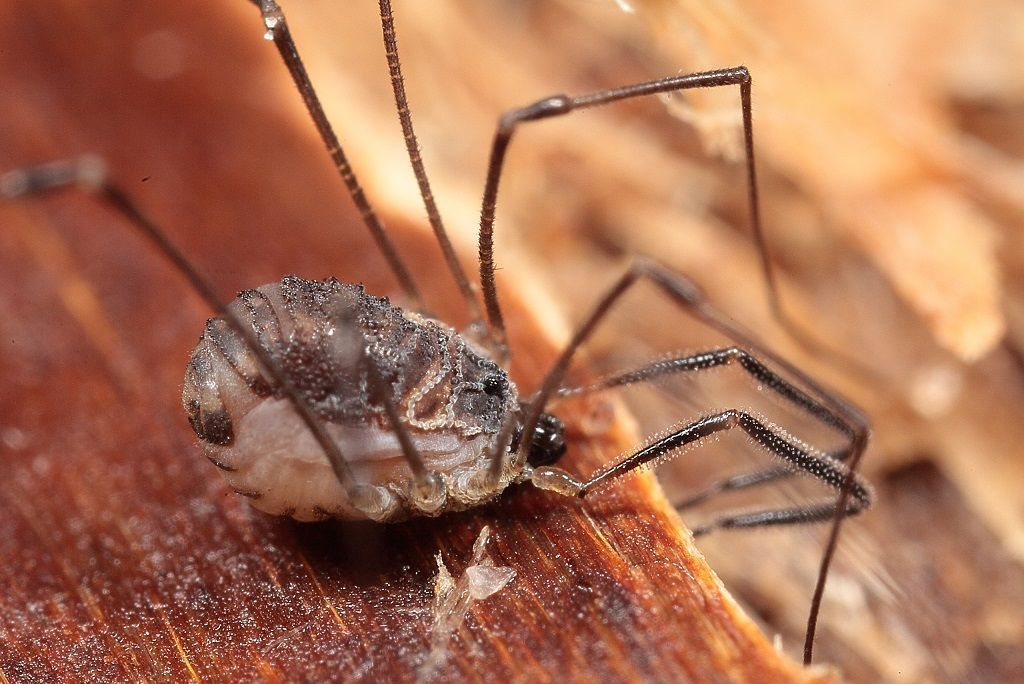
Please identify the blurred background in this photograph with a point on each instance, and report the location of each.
(890, 150)
(890, 146)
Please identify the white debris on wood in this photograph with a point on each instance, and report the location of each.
(453, 599)
(720, 128)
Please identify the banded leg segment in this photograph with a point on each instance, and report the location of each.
(416, 160)
(754, 478)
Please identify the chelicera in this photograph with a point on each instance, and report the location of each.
(318, 399)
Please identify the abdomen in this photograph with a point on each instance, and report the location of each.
(320, 334)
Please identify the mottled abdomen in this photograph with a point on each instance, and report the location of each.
(321, 334)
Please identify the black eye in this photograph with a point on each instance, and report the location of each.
(494, 385)
(548, 441)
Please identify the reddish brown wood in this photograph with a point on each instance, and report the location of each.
(124, 556)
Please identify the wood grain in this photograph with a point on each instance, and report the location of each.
(124, 556)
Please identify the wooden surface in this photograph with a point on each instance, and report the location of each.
(890, 150)
(124, 556)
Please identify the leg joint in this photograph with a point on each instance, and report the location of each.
(542, 109)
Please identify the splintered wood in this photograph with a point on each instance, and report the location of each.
(453, 599)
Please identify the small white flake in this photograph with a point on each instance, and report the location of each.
(453, 599)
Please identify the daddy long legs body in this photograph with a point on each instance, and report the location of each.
(680, 289)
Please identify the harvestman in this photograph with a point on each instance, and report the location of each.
(417, 419)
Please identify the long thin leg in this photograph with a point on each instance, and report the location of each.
(277, 31)
(747, 480)
(689, 297)
(559, 105)
(715, 359)
(412, 147)
(821, 466)
(90, 173)
(754, 478)
(812, 513)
